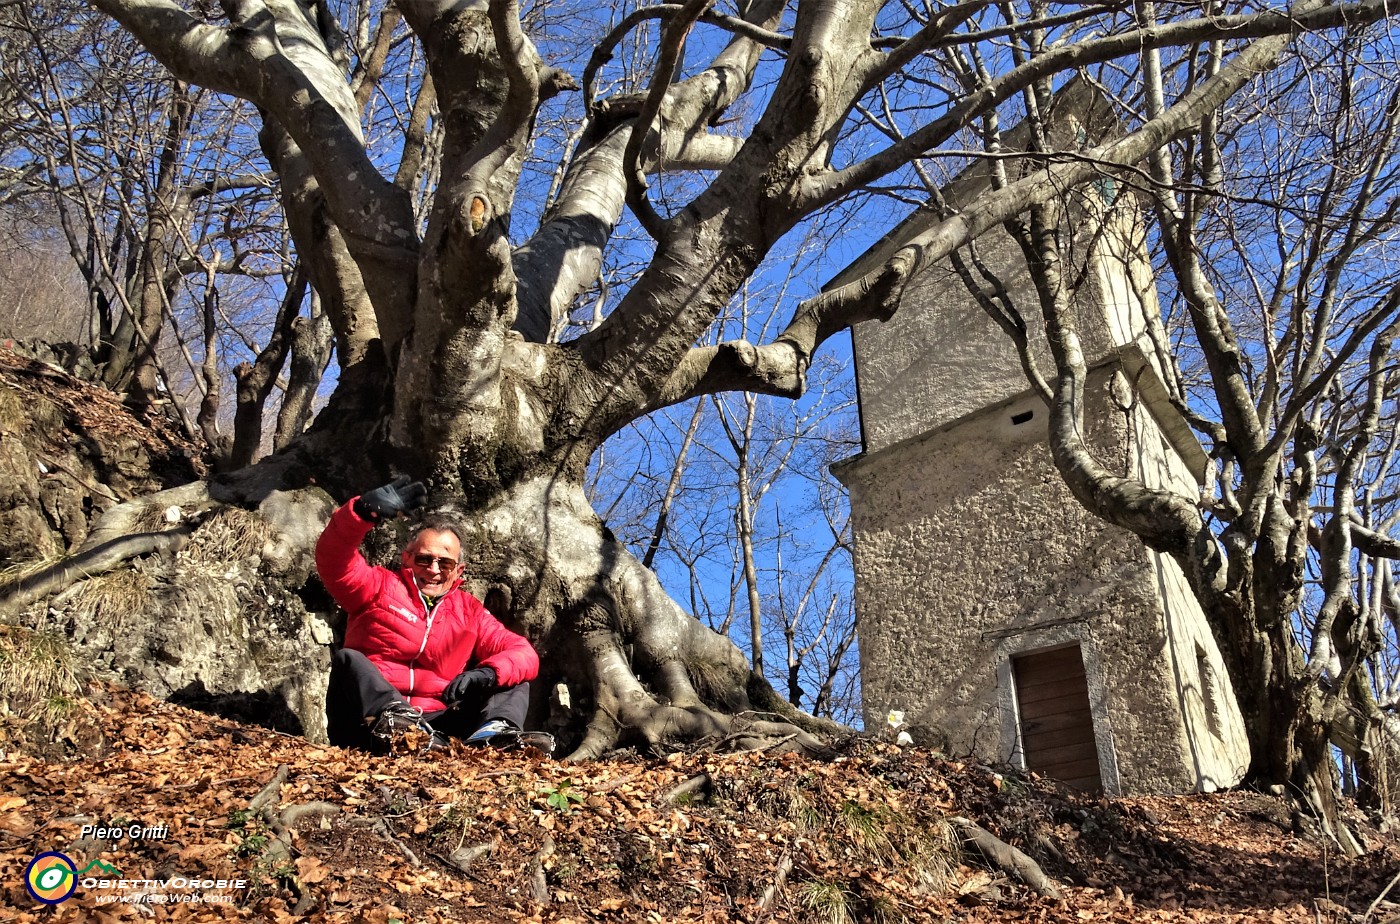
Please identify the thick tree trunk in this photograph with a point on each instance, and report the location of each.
(1314, 784)
(639, 669)
(1285, 716)
(311, 352)
(256, 379)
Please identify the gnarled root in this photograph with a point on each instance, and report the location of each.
(279, 848)
(1005, 857)
(89, 563)
(682, 682)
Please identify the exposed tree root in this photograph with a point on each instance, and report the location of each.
(279, 848)
(645, 671)
(381, 828)
(780, 877)
(125, 532)
(1319, 812)
(462, 858)
(694, 789)
(1371, 909)
(89, 563)
(664, 727)
(137, 515)
(1006, 858)
(121, 534)
(271, 793)
(289, 817)
(539, 885)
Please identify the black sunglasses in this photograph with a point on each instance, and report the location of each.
(427, 561)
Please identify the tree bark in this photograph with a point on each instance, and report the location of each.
(311, 352)
(642, 670)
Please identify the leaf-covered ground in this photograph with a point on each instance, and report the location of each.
(482, 835)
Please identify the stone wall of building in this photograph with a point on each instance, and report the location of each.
(970, 550)
(1219, 747)
(941, 358)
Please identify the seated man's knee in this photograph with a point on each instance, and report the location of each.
(348, 658)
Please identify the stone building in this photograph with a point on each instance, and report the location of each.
(1006, 621)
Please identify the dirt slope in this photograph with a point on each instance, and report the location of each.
(343, 836)
(69, 450)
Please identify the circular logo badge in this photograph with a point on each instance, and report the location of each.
(51, 877)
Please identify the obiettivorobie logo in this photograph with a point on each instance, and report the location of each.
(51, 877)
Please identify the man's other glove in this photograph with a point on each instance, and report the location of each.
(386, 502)
(478, 680)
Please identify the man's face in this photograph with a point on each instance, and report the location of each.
(432, 558)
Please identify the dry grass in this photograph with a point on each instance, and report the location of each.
(792, 802)
(886, 836)
(881, 837)
(13, 410)
(877, 833)
(112, 599)
(150, 518)
(13, 574)
(43, 705)
(933, 852)
(829, 900)
(230, 534)
(37, 677)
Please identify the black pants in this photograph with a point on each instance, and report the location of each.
(358, 690)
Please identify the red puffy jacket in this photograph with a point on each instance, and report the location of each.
(418, 652)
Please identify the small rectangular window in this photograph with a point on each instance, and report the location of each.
(1018, 419)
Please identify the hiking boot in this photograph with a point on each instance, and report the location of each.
(492, 729)
(437, 741)
(397, 720)
(498, 733)
(540, 742)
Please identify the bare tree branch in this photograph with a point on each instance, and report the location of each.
(834, 185)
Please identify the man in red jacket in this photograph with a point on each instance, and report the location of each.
(420, 652)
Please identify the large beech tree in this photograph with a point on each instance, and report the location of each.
(447, 315)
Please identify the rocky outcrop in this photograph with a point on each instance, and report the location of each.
(210, 626)
(224, 620)
(69, 450)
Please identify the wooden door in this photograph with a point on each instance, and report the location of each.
(1057, 726)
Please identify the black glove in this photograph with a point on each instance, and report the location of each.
(476, 680)
(390, 500)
